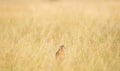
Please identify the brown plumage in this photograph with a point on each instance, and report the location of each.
(60, 53)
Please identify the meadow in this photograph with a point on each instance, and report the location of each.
(30, 35)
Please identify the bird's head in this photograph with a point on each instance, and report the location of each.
(62, 47)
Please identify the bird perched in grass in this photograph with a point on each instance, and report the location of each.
(60, 54)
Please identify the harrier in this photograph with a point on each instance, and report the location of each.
(60, 53)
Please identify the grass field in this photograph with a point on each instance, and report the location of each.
(30, 35)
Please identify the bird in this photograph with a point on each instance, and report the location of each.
(60, 54)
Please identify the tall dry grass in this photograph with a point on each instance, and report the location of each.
(31, 34)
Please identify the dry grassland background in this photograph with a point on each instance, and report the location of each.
(31, 33)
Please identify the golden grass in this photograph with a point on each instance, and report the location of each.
(30, 35)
